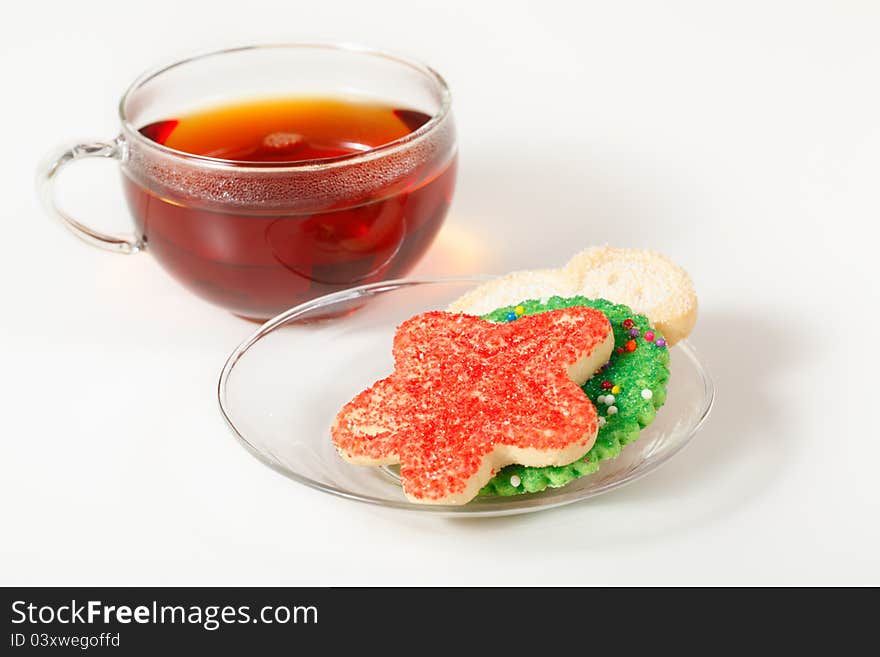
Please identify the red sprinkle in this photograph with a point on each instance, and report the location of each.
(607, 385)
(649, 336)
(631, 345)
(619, 350)
(628, 323)
(463, 386)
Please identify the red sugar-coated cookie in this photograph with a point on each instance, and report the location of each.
(468, 396)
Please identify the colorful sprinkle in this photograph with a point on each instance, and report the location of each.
(607, 385)
(612, 410)
(628, 323)
(647, 394)
(601, 421)
(634, 332)
(511, 316)
(660, 343)
(519, 310)
(631, 345)
(515, 481)
(600, 399)
(619, 350)
(649, 336)
(615, 389)
(609, 399)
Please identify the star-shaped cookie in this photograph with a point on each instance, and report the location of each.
(468, 396)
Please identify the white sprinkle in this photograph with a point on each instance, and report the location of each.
(647, 394)
(515, 481)
(545, 300)
(609, 399)
(612, 410)
(601, 399)
(601, 421)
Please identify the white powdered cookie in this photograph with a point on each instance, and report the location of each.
(646, 281)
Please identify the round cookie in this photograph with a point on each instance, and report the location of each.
(639, 366)
(646, 281)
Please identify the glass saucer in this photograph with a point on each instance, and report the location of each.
(281, 388)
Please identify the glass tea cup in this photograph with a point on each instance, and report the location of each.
(259, 237)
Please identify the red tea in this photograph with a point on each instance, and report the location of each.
(258, 261)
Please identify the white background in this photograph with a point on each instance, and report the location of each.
(741, 138)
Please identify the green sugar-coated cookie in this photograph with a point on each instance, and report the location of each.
(635, 371)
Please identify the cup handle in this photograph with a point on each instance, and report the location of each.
(46, 184)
